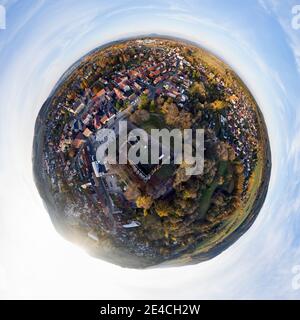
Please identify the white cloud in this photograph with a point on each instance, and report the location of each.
(282, 11)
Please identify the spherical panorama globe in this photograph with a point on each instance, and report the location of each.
(117, 142)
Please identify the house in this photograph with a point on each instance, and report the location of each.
(86, 119)
(87, 132)
(171, 95)
(79, 108)
(158, 91)
(78, 141)
(124, 79)
(119, 94)
(111, 115)
(97, 122)
(137, 86)
(123, 86)
(233, 99)
(104, 119)
(100, 93)
(154, 73)
(133, 73)
(157, 80)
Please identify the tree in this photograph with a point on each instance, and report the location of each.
(181, 175)
(171, 113)
(153, 227)
(144, 101)
(162, 208)
(197, 90)
(225, 151)
(222, 151)
(152, 107)
(251, 182)
(160, 101)
(219, 201)
(139, 116)
(239, 168)
(239, 184)
(220, 180)
(189, 193)
(184, 120)
(166, 106)
(231, 152)
(173, 117)
(218, 104)
(199, 106)
(118, 105)
(196, 74)
(144, 202)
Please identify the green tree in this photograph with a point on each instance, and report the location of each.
(152, 107)
(118, 105)
(144, 101)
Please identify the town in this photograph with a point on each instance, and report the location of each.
(150, 83)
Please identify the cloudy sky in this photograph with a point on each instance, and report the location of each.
(42, 39)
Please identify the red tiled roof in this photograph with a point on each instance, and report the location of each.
(104, 119)
(100, 93)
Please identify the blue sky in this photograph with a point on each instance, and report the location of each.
(42, 39)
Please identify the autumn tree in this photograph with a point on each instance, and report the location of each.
(239, 168)
(163, 208)
(169, 106)
(171, 113)
(189, 193)
(225, 151)
(239, 187)
(222, 151)
(184, 120)
(197, 91)
(218, 104)
(144, 202)
(180, 175)
(139, 116)
(174, 117)
(160, 101)
(231, 152)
